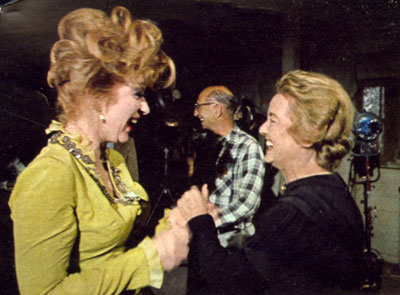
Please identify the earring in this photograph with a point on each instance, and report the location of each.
(102, 119)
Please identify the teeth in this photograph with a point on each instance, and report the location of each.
(134, 121)
(269, 144)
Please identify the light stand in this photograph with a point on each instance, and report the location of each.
(367, 128)
(373, 262)
(165, 190)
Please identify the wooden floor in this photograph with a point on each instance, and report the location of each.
(175, 282)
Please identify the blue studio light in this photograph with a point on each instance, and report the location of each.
(367, 126)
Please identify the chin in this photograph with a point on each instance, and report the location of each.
(268, 160)
(123, 138)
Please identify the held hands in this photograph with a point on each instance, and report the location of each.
(173, 245)
(195, 202)
(176, 219)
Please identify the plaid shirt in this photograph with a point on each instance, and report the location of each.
(240, 178)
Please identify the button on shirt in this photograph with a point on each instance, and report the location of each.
(240, 168)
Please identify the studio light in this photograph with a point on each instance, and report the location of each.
(367, 126)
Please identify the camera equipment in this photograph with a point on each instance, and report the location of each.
(365, 158)
(244, 115)
(367, 127)
(165, 190)
(167, 133)
(10, 173)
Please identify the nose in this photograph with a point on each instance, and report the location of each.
(144, 107)
(195, 112)
(263, 128)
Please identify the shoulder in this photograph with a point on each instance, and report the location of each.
(48, 180)
(320, 186)
(52, 158)
(52, 167)
(244, 140)
(324, 198)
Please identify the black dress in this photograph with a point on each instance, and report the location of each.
(309, 241)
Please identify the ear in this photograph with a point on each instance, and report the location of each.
(306, 144)
(218, 109)
(100, 107)
(301, 142)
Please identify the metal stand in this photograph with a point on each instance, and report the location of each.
(373, 262)
(165, 190)
(367, 208)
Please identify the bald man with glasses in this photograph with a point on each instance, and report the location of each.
(232, 165)
(239, 166)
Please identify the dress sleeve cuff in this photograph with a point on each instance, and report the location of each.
(202, 224)
(156, 272)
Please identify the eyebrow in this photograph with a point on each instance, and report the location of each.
(272, 115)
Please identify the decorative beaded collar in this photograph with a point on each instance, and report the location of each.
(126, 195)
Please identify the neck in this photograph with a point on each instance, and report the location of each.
(305, 175)
(85, 129)
(223, 128)
(302, 169)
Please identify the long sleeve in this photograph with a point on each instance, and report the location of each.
(252, 269)
(56, 229)
(227, 271)
(292, 251)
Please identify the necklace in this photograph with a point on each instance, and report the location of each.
(126, 196)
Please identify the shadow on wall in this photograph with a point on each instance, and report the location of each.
(25, 114)
(8, 283)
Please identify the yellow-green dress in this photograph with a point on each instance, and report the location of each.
(69, 234)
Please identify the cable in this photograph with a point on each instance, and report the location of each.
(24, 118)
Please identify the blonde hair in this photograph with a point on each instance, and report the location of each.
(96, 51)
(322, 114)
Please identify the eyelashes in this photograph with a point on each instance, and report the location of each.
(138, 94)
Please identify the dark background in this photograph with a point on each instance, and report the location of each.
(243, 44)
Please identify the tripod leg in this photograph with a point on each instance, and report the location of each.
(164, 192)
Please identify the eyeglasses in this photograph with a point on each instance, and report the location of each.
(198, 105)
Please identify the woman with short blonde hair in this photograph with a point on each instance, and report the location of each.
(310, 241)
(322, 114)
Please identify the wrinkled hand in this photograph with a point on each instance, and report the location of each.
(172, 246)
(194, 203)
(176, 219)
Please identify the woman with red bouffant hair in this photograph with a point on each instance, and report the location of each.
(75, 205)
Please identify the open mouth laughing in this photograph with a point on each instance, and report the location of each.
(269, 144)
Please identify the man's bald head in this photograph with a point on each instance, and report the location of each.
(222, 95)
